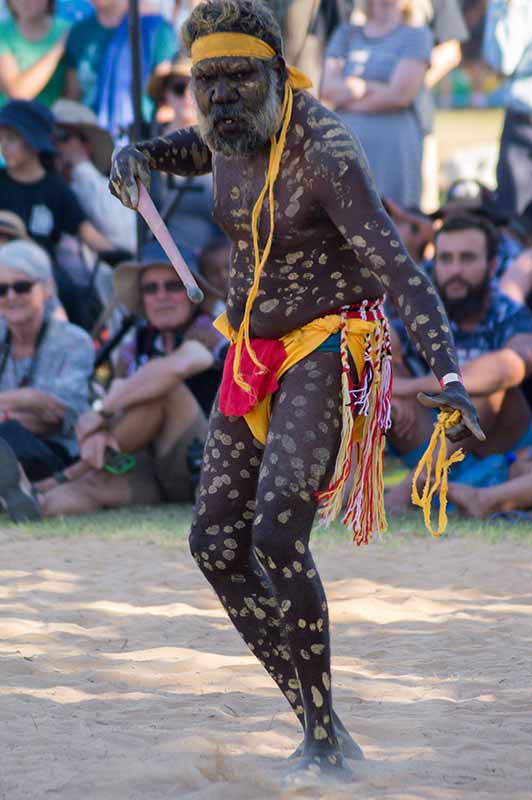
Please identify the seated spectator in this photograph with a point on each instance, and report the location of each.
(157, 410)
(32, 46)
(514, 258)
(45, 365)
(185, 204)
(84, 160)
(98, 61)
(493, 337)
(42, 199)
(371, 77)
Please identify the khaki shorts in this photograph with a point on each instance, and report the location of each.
(166, 479)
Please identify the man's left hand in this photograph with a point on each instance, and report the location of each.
(455, 398)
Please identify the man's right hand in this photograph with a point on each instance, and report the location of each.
(129, 165)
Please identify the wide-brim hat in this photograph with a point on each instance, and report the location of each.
(69, 114)
(33, 121)
(179, 68)
(12, 225)
(126, 276)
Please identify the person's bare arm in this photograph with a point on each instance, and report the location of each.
(182, 152)
(34, 400)
(517, 279)
(39, 412)
(93, 238)
(26, 84)
(333, 89)
(72, 87)
(152, 381)
(445, 57)
(399, 92)
(489, 373)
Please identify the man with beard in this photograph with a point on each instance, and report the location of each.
(304, 302)
(493, 337)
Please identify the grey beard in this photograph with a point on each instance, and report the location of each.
(259, 127)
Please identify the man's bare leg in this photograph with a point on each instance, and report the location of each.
(276, 600)
(156, 422)
(508, 496)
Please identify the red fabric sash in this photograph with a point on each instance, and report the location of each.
(234, 401)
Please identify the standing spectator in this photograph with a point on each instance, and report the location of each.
(84, 160)
(99, 62)
(32, 46)
(372, 75)
(41, 198)
(508, 50)
(45, 365)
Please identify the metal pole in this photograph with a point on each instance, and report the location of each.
(136, 128)
(136, 70)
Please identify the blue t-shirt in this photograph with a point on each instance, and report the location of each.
(504, 319)
(86, 49)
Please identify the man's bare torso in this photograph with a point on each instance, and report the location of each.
(311, 269)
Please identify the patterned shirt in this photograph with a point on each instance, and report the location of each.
(504, 319)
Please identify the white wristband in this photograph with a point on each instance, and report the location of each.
(450, 377)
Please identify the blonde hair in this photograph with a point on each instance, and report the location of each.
(415, 12)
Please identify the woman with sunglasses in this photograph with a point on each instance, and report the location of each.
(32, 45)
(45, 366)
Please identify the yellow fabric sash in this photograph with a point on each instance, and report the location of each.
(298, 344)
(241, 45)
(218, 45)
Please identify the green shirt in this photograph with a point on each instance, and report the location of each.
(86, 47)
(26, 53)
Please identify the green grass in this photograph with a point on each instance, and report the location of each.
(467, 127)
(168, 525)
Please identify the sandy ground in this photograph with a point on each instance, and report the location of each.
(120, 678)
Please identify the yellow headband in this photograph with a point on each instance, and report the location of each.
(235, 45)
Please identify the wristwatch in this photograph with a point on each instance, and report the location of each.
(97, 406)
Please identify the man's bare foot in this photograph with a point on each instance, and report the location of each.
(471, 501)
(318, 767)
(348, 747)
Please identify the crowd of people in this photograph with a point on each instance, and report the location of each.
(82, 284)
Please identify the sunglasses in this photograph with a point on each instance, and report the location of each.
(178, 88)
(62, 135)
(152, 287)
(19, 287)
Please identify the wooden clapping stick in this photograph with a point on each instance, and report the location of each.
(154, 221)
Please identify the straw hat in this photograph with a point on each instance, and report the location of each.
(12, 225)
(69, 114)
(126, 276)
(179, 68)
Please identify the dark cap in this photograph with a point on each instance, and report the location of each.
(33, 121)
